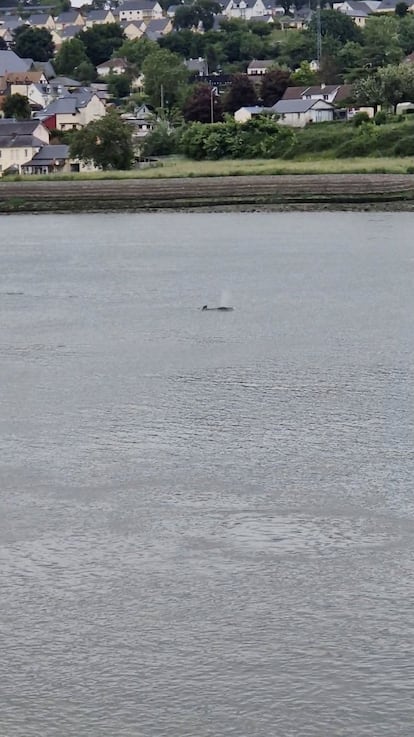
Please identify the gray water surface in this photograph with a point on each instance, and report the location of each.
(206, 519)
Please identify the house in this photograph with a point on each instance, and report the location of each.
(267, 18)
(113, 66)
(42, 20)
(10, 62)
(50, 159)
(245, 9)
(157, 27)
(7, 36)
(69, 18)
(140, 10)
(19, 142)
(257, 67)
(358, 10)
(73, 111)
(298, 113)
(133, 29)
(197, 67)
(99, 17)
(243, 114)
(388, 6)
(142, 121)
(334, 93)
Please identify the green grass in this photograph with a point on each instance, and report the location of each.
(180, 167)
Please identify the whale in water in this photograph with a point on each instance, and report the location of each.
(217, 309)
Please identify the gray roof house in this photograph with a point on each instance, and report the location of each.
(157, 27)
(51, 158)
(197, 67)
(298, 113)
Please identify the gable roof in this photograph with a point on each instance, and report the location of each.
(38, 19)
(68, 17)
(297, 106)
(114, 63)
(10, 62)
(23, 77)
(18, 133)
(98, 15)
(46, 67)
(70, 31)
(261, 63)
(317, 89)
(138, 5)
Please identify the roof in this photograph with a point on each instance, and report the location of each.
(253, 110)
(387, 5)
(23, 77)
(46, 67)
(261, 63)
(49, 154)
(98, 14)
(18, 133)
(294, 93)
(38, 19)
(297, 106)
(65, 82)
(68, 16)
(157, 24)
(112, 63)
(137, 5)
(317, 89)
(10, 62)
(68, 104)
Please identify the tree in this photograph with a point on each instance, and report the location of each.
(107, 142)
(70, 55)
(240, 94)
(397, 83)
(162, 141)
(85, 72)
(337, 26)
(273, 86)
(186, 16)
(401, 9)
(203, 105)
(17, 106)
(136, 50)
(368, 91)
(381, 41)
(304, 76)
(165, 77)
(101, 41)
(34, 43)
(119, 85)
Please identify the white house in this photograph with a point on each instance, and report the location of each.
(19, 142)
(132, 10)
(73, 111)
(112, 66)
(245, 9)
(260, 66)
(298, 113)
(243, 114)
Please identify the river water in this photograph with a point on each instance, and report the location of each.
(206, 519)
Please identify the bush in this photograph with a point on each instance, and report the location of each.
(405, 146)
(360, 118)
(380, 118)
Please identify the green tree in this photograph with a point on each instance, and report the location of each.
(240, 94)
(70, 55)
(165, 78)
(119, 85)
(101, 41)
(304, 76)
(273, 86)
(336, 26)
(16, 106)
(136, 50)
(186, 16)
(162, 141)
(107, 142)
(381, 41)
(397, 84)
(34, 43)
(368, 92)
(85, 72)
(406, 33)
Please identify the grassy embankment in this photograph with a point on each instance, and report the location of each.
(326, 148)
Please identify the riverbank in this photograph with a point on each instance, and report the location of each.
(332, 191)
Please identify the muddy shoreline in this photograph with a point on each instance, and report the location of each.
(233, 193)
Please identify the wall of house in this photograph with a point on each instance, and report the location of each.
(299, 120)
(16, 157)
(94, 110)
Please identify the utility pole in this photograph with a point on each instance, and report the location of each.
(212, 93)
(162, 96)
(318, 34)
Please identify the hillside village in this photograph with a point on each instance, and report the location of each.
(163, 68)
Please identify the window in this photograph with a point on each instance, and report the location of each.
(25, 151)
